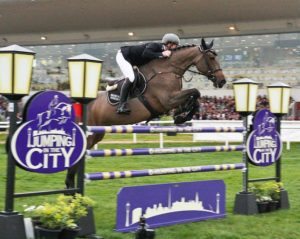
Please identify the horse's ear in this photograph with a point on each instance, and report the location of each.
(210, 44)
(203, 44)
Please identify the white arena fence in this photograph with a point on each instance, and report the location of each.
(290, 131)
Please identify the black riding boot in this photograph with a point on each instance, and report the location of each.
(122, 108)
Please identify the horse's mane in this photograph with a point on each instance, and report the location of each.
(183, 47)
(175, 50)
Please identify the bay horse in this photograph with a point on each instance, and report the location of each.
(163, 93)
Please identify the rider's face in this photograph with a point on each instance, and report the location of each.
(171, 45)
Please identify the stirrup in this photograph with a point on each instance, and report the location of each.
(122, 109)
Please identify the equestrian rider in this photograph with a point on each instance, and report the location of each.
(139, 55)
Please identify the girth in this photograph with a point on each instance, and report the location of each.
(153, 112)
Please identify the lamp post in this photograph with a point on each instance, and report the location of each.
(245, 92)
(84, 75)
(279, 100)
(15, 79)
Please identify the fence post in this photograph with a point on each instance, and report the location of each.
(9, 219)
(161, 140)
(245, 202)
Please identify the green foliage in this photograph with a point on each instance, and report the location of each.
(77, 204)
(63, 213)
(268, 191)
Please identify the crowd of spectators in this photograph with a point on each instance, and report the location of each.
(211, 108)
(223, 108)
(3, 109)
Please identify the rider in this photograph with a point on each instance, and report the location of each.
(139, 55)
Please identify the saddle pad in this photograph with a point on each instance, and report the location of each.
(113, 96)
(113, 92)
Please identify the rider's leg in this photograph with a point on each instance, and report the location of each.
(127, 70)
(122, 107)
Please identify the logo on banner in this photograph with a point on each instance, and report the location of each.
(264, 145)
(173, 203)
(49, 140)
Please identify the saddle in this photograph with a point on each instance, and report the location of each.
(183, 113)
(113, 88)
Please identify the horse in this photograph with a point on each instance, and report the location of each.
(163, 93)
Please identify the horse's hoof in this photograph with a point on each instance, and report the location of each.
(179, 119)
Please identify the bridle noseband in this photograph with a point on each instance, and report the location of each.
(211, 72)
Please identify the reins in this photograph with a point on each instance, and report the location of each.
(210, 73)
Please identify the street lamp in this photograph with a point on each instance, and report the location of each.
(245, 93)
(15, 79)
(84, 76)
(279, 100)
(15, 71)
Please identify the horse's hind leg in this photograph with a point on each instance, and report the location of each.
(94, 139)
(70, 177)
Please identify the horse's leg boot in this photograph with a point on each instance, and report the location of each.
(122, 108)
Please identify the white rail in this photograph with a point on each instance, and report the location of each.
(290, 131)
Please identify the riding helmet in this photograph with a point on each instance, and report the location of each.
(170, 37)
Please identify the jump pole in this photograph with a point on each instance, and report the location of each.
(140, 129)
(156, 151)
(162, 171)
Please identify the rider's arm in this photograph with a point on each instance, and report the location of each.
(153, 51)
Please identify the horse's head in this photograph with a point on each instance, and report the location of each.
(209, 66)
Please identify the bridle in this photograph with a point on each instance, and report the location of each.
(210, 74)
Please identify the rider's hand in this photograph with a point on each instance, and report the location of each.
(166, 53)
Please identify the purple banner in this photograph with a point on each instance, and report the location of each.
(173, 203)
(264, 145)
(48, 141)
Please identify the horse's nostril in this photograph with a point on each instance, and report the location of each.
(221, 83)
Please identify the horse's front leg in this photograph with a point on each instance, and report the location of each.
(181, 97)
(70, 177)
(185, 104)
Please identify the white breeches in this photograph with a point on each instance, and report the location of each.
(125, 66)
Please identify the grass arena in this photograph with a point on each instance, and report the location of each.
(280, 224)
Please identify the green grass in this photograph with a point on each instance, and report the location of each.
(283, 224)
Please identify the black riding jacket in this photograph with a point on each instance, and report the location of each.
(141, 54)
